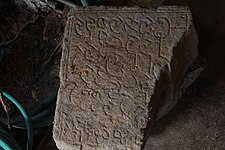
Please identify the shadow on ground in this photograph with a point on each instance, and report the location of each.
(198, 120)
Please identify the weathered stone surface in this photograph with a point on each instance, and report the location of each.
(118, 66)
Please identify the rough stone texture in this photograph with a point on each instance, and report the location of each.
(118, 66)
(147, 3)
(141, 3)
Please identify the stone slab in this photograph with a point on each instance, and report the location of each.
(120, 67)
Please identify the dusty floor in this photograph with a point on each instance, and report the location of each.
(196, 123)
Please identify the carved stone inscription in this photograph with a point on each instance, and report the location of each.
(111, 61)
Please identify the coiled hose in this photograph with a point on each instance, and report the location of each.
(6, 140)
(43, 110)
(42, 116)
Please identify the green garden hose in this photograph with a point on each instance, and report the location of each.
(84, 3)
(44, 122)
(6, 141)
(46, 108)
(42, 117)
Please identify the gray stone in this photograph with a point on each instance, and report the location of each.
(148, 3)
(120, 69)
(141, 3)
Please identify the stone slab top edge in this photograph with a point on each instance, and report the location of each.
(133, 9)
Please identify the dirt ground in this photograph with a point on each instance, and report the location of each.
(196, 123)
(29, 71)
(198, 120)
